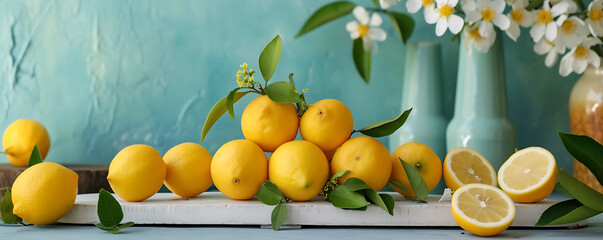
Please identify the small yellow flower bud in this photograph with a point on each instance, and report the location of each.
(244, 66)
(305, 90)
(245, 72)
(251, 79)
(239, 73)
(251, 72)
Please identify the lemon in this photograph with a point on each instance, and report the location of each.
(136, 173)
(465, 165)
(482, 209)
(529, 175)
(366, 158)
(327, 123)
(299, 169)
(44, 193)
(269, 124)
(187, 169)
(423, 159)
(20, 138)
(239, 168)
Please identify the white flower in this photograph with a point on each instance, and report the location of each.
(519, 16)
(579, 57)
(551, 49)
(544, 26)
(572, 32)
(487, 12)
(385, 4)
(482, 43)
(446, 19)
(366, 28)
(414, 6)
(595, 17)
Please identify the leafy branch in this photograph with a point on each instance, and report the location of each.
(269, 194)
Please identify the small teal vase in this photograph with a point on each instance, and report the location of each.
(480, 118)
(422, 91)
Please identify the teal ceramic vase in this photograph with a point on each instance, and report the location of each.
(422, 91)
(480, 118)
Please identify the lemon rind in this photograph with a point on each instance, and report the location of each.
(549, 174)
(505, 221)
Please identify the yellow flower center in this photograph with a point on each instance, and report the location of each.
(596, 14)
(474, 34)
(568, 27)
(363, 30)
(581, 53)
(488, 14)
(544, 16)
(517, 15)
(427, 3)
(446, 11)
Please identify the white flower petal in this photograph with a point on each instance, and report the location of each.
(482, 28)
(580, 65)
(472, 16)
(513, 31)
(377, 34)
(561, 19)
(352, 26)
(468, 6)
(537, 32)
(528, 19)
(413, 6)
(441, 27)
(559, 8)
(542, 47)
(594, 59)
(431, 15)
(590, 41)
(551, 31)
(354, 35)
(385, 4)
(455, 23)
(453, 3)
(498, 6)
(376, 20)
(550, 59)
(361, 14)
(441, 2)
(482, 3)
(565, 68)
(368, 45)
(501, 21)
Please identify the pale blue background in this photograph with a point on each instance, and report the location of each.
(101, 75)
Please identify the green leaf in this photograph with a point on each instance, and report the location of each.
(35, 156)
(586, 150)
(338, 175)
(534, 4)
(399, 185)
(278, 216)
(216, 112)
(269, 194)
(282, 92)
(362, 60)
(114, 231)
(416, 181)
(390, 203)
(6, 209)
(583, 193)
(109, 211)
(326, 14)
(126, 225)
(269, 57)
(568, 211)
(375, 198)
(562, 190)
(387, 127)
(355, 184)
(342, 197)
(403, 24)
(230, 102)
(103, 227)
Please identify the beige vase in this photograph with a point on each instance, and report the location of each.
(586, 117)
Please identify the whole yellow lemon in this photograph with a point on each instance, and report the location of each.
(327, 123)
(136, 173)
(44, 193)
(423, 159)
(187, 169)
(269, 124)
(20, 138)
(239, 168)
(299, 169)
(366, 158)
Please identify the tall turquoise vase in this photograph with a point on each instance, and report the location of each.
(422, 91)
(480, 118)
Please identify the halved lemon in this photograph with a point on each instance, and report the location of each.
(482, 209)
(465, 165)
(528, 175)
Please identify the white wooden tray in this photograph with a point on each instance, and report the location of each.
(213, 208)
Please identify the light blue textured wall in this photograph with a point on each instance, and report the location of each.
(101, 75)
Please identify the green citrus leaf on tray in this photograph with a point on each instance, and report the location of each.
(6, 209)
(583, 193)
(342, 197)
(586, 150)
(108, 209)
(326, 14)
(416, 181)
(355, 184)
(269, 194)
(568, 211)
(279, 213)
(375, 198)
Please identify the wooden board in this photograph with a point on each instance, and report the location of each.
(213, 208)
(91, 177)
